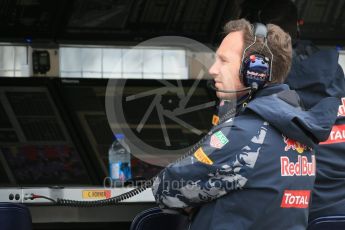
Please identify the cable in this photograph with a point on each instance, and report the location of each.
(35, 196)
(105, 202)
(210, 84)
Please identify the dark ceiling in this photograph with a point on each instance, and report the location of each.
(132, 21)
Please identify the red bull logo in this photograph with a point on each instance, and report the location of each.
(301, 168)
(294, 145)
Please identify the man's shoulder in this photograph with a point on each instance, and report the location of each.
(248, 119)
(249, 123)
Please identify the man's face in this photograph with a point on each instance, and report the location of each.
(225, 70)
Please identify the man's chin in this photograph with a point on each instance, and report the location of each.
(226, 96)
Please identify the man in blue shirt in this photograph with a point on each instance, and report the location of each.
(255, 170)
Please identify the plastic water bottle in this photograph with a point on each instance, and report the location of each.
(119, 161)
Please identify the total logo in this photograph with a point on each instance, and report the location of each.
(301, 168)
(337, 135)
(295, 145)
(295, 199)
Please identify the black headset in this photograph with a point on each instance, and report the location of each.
(255, 69)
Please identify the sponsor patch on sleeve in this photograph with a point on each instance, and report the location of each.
(201, 156)
(215, 120)
(218, 140)
(295, 199)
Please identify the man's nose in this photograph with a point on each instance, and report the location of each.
(214, 70)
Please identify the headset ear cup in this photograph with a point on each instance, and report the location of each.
(255, 69)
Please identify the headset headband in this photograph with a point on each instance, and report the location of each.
(260, 30)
